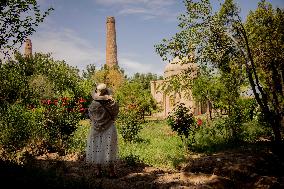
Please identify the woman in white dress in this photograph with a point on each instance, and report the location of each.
(102, 146)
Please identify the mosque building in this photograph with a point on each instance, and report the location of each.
(168, 100)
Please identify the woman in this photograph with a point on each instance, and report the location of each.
(102, 147)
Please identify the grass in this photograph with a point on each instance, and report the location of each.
(158, 145)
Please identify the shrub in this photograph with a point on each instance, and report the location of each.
(242, 112)
(129, 125)
(60, 123)
(21, 129)
(78, 142)
(255, 129)
(212, 138)
(132, 160)
(183, 122)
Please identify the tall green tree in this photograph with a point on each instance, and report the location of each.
(19, 19)
(265, 38)
(222, 40)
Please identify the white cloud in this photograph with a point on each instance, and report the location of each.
(67, 45)
(131, 66)
(148, 8)
(134, 10)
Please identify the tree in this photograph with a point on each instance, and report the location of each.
(145, 79)
(22, 79)
(89, 72)
(133, 97)
(113, 77)
(265, 38)
(210, 88)
(19, 18)
(223, 41)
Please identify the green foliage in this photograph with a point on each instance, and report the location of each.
(64, 77)
(78, 141)
(129, 125)
(20, 128)
(19, 18)
(243, 111)
(254, 130)
(212, 138)
(183, 122)
(89, 72)
(113, 77)
(265, 33)
(34, 86)
(131, 160)
(243, 53)
(159, 147)
(60, 124)
(132, 96)
(22, 79)
(41, 87)
(145, 79)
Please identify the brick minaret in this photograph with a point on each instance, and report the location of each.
(28, 48)
(111, 48)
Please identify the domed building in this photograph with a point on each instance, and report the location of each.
(168, 100)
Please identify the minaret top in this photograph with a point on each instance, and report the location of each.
(28, 48)
(110, 19)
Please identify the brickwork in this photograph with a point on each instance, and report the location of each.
(28, 48)
(111, 47)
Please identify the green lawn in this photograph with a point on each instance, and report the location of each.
(159, 146)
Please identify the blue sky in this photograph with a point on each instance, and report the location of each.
(75, 30)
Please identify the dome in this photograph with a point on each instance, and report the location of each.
(176, 66)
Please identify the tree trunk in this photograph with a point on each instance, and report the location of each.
(271, 117)
(275, 122)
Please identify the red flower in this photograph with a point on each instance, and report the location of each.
(48, 102)
(199, 122)
(82, 100)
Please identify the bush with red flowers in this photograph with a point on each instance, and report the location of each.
(62, 117)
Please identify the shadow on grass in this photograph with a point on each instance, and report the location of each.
(249, 165)
(54, 173)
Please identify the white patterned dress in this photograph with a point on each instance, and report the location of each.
(102, 145)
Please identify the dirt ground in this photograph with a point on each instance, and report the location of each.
(250, 166)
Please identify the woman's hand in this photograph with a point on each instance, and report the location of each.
(109, 97)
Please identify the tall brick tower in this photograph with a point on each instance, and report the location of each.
(111, 47)
(28, 48)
